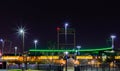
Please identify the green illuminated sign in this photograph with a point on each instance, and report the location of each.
(81, 50)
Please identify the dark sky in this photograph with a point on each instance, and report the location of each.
(94, 21)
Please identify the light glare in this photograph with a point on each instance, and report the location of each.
(66, 24)
(21, 30)
(78, 47)
(1, 40)
(66, 53)
(35, 41)
(113, 36)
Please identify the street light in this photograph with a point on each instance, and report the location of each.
(22, 32)
(113, 37)
(3, 42)
(15, 50)
(66, 53)
(35, 41)
(78, 48)
(3, 45)
(66, 25)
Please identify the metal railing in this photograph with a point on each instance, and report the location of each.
(43, 67)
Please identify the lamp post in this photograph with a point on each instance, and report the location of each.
(66, 53)
(35, 42)
(78, 48)
(3, 42)
(113, 37)
(15, 50)
(66, 56)
(22, 32)
(66, 25)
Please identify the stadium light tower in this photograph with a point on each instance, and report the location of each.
(113, 37)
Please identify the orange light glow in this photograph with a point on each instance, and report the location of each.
(84, 57)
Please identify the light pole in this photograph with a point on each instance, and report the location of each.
(78, 48)
(35, 42)
(15, 50)
(66, 53)
(22, 32)
(66, 25)
(113, 37)
(3, 45)
(3, 42)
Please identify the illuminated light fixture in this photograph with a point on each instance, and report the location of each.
(21, 30)
(84, 57)
(10, 57)
(1, 40)
(35, 41)
(66, 53)
(117, 57)
(48, 57)
(66, 24)
(113, 37)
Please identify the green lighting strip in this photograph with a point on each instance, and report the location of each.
(81, 50)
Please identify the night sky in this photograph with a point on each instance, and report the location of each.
(93, 21)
